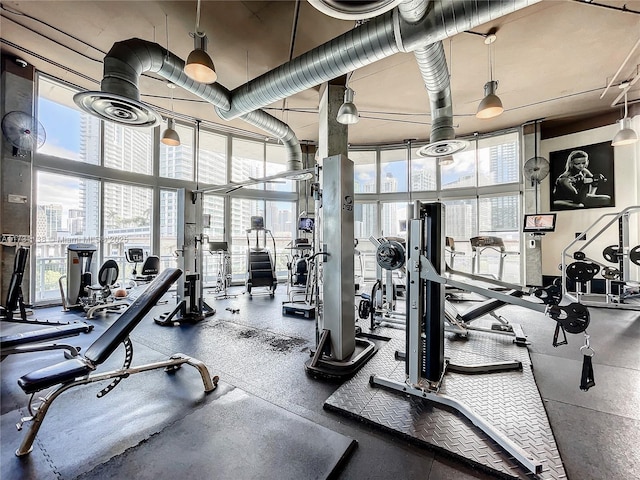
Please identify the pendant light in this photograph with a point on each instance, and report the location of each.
(491, 105)
(626, 135)
(348, 113)
(199, 66)
(170, 137)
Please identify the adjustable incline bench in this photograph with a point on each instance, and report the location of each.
(460, 323)
(78, 371)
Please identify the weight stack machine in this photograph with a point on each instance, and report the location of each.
(339, 352)
(191, 307)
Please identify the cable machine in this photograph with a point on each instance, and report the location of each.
(339, 352)
(425, 363)
(191, 307)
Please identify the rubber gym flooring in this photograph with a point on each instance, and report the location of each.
(269, 419)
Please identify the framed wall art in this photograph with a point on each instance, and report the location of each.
(582, 177)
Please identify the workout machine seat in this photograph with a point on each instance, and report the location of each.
(486, 307)
(80, 370)
(150, 269)
(101, 296)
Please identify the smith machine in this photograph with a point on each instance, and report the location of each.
(190, 307)
(425, 362)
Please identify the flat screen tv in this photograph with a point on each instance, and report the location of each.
(539, 223)
(306, 224)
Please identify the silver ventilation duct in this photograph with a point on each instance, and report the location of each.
(119, 100)
(354, 10)
(379, 38)
(432, 64)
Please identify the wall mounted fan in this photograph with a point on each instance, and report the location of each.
(23, 132)
(536, 168)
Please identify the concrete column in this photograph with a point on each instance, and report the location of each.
(15, 170)
(531, 255)
(335, 227)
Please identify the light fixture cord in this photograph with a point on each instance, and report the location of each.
(197, 32)
(625, 105)
(166, 27)
(491, 61)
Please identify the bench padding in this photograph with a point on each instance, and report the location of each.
(44, 334)
(53, 375)
(487, 306)
(106, 343)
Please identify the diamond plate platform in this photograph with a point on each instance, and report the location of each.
(509, 400)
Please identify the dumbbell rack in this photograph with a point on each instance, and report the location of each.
(582, 269)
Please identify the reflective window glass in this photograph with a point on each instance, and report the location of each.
(177, 162)
(462, 172)
(212, 162)
(276, 163)
(128, 149)
(247, 161)
(423, 173)
(70, 132)
(498, 160)
(364, 171)
(393, 170)
(67, 211)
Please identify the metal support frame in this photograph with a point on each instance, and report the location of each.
(40, 411)
(424, 358)
(592, 233)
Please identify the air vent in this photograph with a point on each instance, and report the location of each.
(443, 148)
(116, 108)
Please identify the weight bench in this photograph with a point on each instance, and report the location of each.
(79, 371)
(460, 323)
(32, 341)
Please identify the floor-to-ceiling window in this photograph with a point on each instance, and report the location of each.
(127, 220)
(67, 212)
(124, 170)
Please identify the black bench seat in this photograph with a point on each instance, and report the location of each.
(62, 372)
(487, 306)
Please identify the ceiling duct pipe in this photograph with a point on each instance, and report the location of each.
(432, 64)
(119, 98)
(350, 10)
(381, 37)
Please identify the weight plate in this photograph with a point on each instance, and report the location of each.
(634, 254)
(610, 273)
(582, 271)
(390, 255)
(550, 295)
(574, 318)
(610, 253)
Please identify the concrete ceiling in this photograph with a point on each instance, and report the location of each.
(552, 59)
